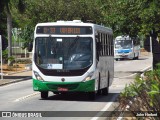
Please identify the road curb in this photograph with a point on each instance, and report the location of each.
(15, 81)
(12, 73)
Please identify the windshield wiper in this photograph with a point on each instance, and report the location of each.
(53, 47)
(73, 43)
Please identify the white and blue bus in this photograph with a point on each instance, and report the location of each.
(72, 56)
(126, 47)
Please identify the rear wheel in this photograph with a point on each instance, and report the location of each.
(99, 90)
(105, 91)
(44, 94)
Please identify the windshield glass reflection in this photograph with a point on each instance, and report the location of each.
(63, 53)
(123, 44)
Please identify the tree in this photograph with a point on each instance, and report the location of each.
(50, 11)
(5, 5)
(2, 19)
(131, 17)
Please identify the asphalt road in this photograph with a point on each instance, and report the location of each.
(21, 97)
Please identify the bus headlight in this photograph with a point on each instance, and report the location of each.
(38, 77)
(89, 76)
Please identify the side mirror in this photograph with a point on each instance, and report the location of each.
(30, 46)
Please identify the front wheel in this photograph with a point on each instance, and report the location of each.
(56, 93)
(44, 95)
(116, 59)
(92, 95)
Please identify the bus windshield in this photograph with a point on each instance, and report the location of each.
(70, 53)
(123, 44)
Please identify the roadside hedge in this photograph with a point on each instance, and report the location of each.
(142, 96)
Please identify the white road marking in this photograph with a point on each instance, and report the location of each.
(25, 97)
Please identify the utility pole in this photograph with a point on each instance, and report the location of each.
(1, 57)
(151, 53)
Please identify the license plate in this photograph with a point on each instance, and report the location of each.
(62, 89)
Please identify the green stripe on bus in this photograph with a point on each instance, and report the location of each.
(87, 86)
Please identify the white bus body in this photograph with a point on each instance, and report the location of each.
(72, 56)
(126, 47)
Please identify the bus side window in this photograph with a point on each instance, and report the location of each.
(97, 49)
(98, 46)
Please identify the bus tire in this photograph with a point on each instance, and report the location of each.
(56, 93)
(118, 59)
(92, 95)
(44, 94)
(106, 89)
(137, 57)
(99, 89)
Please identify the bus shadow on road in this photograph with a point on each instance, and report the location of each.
(142, 58)
(83, 97)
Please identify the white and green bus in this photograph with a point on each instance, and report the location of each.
(72, 56)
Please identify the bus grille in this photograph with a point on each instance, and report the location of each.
(69, 86)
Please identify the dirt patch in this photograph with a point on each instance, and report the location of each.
(15, 68)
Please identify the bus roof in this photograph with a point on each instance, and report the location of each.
(123, 37)
(75, 23)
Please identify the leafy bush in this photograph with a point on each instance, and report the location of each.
(23, 61)
(5, 56)
(143, 94)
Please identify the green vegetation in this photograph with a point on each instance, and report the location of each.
(143, 95)
(123, 16)
(6, 7)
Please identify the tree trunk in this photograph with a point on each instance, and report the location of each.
(9, 31)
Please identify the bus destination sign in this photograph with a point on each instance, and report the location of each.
(65, 30)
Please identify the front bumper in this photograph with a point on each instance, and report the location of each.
(126, 55)
(88, 86)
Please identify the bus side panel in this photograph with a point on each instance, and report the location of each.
(106, 69)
